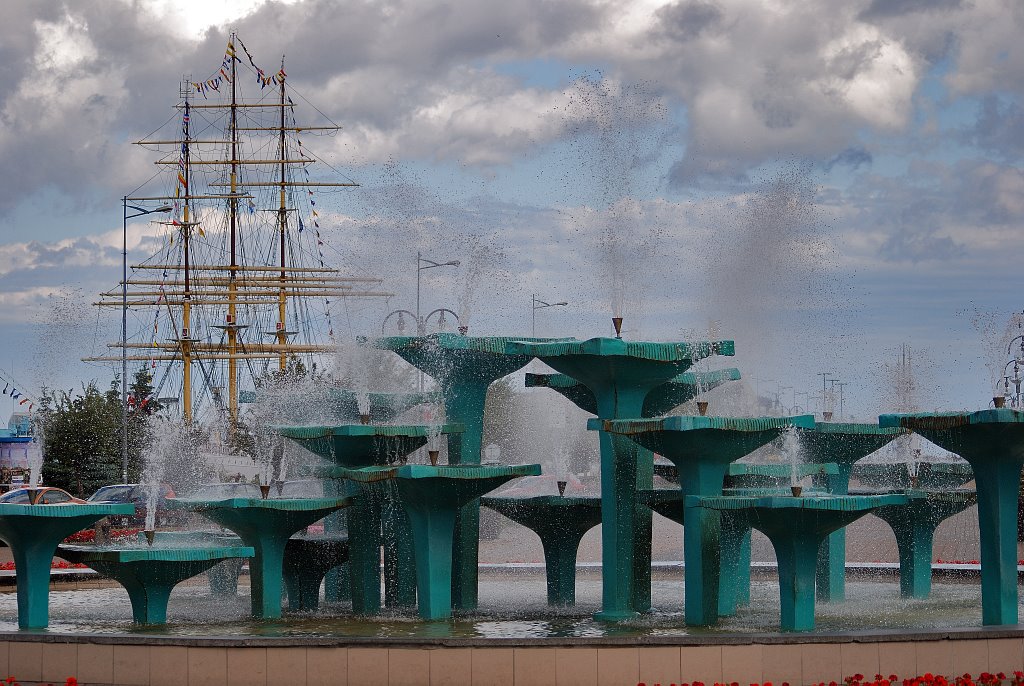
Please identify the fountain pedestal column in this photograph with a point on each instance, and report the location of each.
(620, 374)
(659, 400)
(993, 442)
(431, 496)
(33, 533)
(265, 526)
(560, 522)
(842, 444)
(702, 448)
(463, 367)
(796, 527)
(150, 574)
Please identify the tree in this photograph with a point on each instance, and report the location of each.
(81, 438)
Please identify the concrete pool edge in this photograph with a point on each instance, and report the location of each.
(1014, 632)
(140, 660)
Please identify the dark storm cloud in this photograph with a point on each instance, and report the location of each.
(688, 19)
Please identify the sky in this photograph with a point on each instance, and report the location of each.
(822, 182)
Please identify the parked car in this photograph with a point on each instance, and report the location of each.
(137, 494)
(224, 491)
(45, 495)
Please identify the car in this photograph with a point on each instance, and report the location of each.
(44, 495)
(138, 495)
(224, 491)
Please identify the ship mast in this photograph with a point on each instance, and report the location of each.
(232, 322)
(282, 222)
(240, 280)
(186, 303)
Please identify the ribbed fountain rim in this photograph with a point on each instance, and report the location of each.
(405, 430)
(617, 347)
(695, 423)
(451, 341)
(846, 503)
(686, 378)
(857, 428)
(427, 471)
(68, 510)
(144, 553)
(949, 420)
(286, 504)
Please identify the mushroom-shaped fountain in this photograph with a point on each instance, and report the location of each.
(992, 441)
(463, 367)
(351, 446)
(796, 527)
(702, 448)
(561, 522)
(621, 374)
(432, 497)
(844, 444)
(149, 573)
(265, 525)
(33, 533)
(659, 400)
(307, 559)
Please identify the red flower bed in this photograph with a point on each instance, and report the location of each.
(11, 681)
(89, 535)
(56, 564)
(928, 679)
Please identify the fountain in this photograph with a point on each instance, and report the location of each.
(702, 448)
(797, 527)
(264, 524)
(992, 441)
(842, 444)
(432, 496)
(561, 523)
(463, 368)
(307, 559)
(351, 446)
(33, 533)
(148, 573)
(620, 374)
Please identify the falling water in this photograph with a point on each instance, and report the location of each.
(791, 452)
(35, 452)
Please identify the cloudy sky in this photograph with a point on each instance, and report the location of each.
(821, 181)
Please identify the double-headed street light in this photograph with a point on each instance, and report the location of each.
(139, 212)
(540, 305)
(420, 266)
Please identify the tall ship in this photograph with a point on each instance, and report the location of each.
(240, 287)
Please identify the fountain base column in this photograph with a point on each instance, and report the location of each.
(798, 561)
(831, 568)
(364, 536)
(433, 530)
(734, 578)
(560, 565)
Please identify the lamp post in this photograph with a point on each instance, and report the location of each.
(540, 305)
(420, 266)
(140, 211)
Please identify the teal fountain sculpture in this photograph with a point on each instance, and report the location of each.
(33, 533)
(264, 525)
(659, 400)
(621, 374)
(843, 444)
(561, 522)
(702, 449)
(992, 441)
(351, 446)
(150, 573)
(432, 497)
(797, 526)
(307, 559)
(463, 367)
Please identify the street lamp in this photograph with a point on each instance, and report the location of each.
(430, 264)
(140, 211)
(540, 305)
